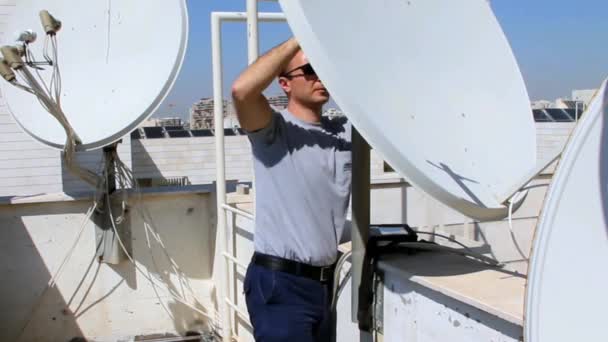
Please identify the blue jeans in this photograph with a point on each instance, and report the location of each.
(285, 307)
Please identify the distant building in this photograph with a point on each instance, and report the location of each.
(158, 122)
(278, 102)
(584, 96)
(332, 113)
(201, 113)
(541, 104)
(569, 104)
(578, 103)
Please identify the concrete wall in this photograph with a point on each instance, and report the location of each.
(416, 313)
(101, 301)
(28, 168)
(551, 137)
(191, 157)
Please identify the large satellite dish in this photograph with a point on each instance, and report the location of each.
(567, 279)
(118, 61)
(433, 85)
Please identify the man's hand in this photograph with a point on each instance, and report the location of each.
(253, 110)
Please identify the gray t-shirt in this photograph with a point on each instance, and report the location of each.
(303, 182)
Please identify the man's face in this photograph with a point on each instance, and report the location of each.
(302, 84)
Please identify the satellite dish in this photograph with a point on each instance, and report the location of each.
(432, 85)
(118, 61)
(567, 279)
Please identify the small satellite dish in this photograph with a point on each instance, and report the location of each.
(567, 279)
(118, 61)
(431, 84)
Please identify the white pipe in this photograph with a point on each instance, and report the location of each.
(238, 211)
(234, 260)
(220, 161)
(243, 315)
(220, 165)
(252, 31)
(242, 16)
(253, 49)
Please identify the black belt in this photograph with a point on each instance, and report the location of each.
(321, 274)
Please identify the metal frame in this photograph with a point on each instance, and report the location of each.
(227, 304)
(361, 187)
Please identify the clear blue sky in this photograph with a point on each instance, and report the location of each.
(560, 45)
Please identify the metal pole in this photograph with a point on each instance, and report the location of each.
(242, 16)
(252, 31)
(216, 49)
(220, 164)
(253, 47)
(360, 229)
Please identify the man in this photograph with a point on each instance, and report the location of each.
(302, 165)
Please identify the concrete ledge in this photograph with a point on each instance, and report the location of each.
(497, 292)
(88, 195)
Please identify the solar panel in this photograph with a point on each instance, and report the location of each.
(173, 128)
(573, 113)
(135, 134)
(201, 133)
(558, 115)
(154, 132)
(174, 133)
(540, 116)
(241, 131)
(228, 131)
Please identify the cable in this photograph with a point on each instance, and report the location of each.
(53, 281)
(50, 100)
(447, 238)
(88, 215)
(336, 283)
(512, 201)
(435, 247)
(150, 279)
(125, 176)
(339, 286)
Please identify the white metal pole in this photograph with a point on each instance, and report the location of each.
(253, 47)
(220, 167)
(252, 31)
(242, 16)
(218, 110)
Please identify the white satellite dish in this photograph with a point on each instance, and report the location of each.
(118, 60)
(567, 279)
(433, 85)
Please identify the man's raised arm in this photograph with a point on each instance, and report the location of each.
(253, 110)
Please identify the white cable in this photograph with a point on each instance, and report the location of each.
(24, 88)
(51, 283)
(73, 247)
(337, 270)
(126, 174)
(50, 101)
(339, 286)
(447, 238)
(512, 201)
(150, 279)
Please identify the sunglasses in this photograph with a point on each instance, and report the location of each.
(306, 69)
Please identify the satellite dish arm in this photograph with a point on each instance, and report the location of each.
(253, 110)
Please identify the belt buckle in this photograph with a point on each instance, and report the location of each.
(325, 273)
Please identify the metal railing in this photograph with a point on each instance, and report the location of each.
(228, 306)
